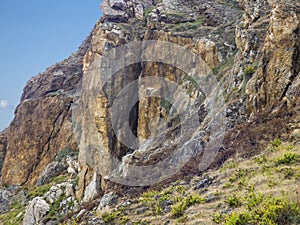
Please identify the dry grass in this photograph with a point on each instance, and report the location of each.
(232, 184)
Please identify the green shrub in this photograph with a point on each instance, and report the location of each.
(265, 210)
(217, 217)
(178, 209)
(276, 142)
(166, 105)
(287, 159)
(181, 205)
(250, 70)
(125, 219)
(59, 179)
(241, 218)
(64, 153)
(234, 201)
(39, 191)
(108, 217)
(260, 159)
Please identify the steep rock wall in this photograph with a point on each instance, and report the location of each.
(42, 125)
(99, 142)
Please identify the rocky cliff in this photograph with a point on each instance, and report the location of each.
(42, 126)
(160, 90)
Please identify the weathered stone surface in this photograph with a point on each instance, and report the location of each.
(93, 189)
(107, 200)
(209, 52)
(150, 113)
(295, 135)
(68, 205)
(35, 211)
(42, 126)
(54, 193)
(52, 170)
(73, 166)
(121, 10)
(280, 59)
(3, 144)
(38, 132)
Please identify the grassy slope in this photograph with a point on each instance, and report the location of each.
(260, 190)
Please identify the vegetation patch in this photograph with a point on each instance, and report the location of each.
(64, 153)
(265, 209)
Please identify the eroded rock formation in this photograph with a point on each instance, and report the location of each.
(252, 48)
(42, 125)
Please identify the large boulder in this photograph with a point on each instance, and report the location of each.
(35, 211)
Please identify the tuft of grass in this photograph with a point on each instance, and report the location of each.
(108, 217)
(249, 70)
(148, 11)
(179, 208)
(234, 201)
(276, 143)
(39, 191)
(266, 209)
(230, 164)
(10, 217)
(287, 159)
(64, 153)
(125, 219)
(59, 179)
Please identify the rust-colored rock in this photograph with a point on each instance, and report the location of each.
(42, 125)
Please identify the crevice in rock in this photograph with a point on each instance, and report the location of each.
(296, 68)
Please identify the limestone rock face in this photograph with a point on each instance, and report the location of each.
(42, 125)
(122, 10)
(280, 58)
(35, 211)
(148, 117)
(3, 144)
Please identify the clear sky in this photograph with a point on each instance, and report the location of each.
(34, 35)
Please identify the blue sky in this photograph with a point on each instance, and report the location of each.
(34, 35)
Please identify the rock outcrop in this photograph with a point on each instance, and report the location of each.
(3, 144)
(123, 10)
(35, 211)
(127, 107)
(42, 125)
(280, 60)
(101, 135)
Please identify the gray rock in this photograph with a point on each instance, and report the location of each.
(113, 14)
(127, 203)
(68, 205)
(295, 134)
(93, 189)
(81, 214)
(118, 4)
(107, 200)
(205, 182)
(210, 198)
(142, 210)
(54, 193)
(10, 195)
(69, 190)
(73, 166)
(35, 211)
(52, 170)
